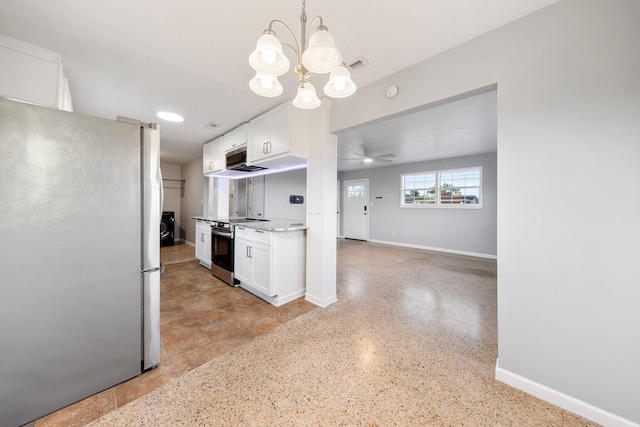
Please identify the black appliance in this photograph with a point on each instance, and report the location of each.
(167, 228)
(222, 242)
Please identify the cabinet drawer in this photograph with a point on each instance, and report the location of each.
(260, 236)
(243, 233)
(203, 226)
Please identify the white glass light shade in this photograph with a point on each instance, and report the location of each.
(306, 97)
(268, 57)
(340, 84)
(265, 85)
(321, 55)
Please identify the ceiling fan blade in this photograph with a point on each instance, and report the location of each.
(382, 160)
(351, 159)
(384, 156)
(361, 155)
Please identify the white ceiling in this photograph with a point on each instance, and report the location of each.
(136, 57)
(454, 129)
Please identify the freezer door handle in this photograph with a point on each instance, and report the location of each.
(151, 319)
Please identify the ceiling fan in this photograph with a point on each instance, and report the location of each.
(367, 157)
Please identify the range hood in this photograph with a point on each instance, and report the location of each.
(236, 166)
(236, 160)
(243, 167)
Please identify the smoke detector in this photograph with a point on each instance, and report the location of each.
(212, 125)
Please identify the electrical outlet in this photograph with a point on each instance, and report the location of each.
(393, 234)
(318, 207)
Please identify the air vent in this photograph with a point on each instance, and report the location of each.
(358, 63)
(212, 125)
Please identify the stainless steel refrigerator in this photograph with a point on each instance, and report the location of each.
(80, 208)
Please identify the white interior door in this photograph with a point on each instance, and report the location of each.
(255, 207)
(356, 209)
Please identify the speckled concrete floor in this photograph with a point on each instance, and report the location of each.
(411, 341)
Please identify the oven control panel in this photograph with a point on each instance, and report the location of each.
(219, 225)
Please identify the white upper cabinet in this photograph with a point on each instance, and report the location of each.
(213, 152)
(278, 133)
(277, 140)
(32, 74)
(213, 156)
(235, 138)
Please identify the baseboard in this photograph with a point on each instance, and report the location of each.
(319, 301)
(280, 300)
(186, 242)
(277, 300)
(430, 248)
(562, 400)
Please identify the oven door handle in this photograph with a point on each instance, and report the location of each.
(221, 233)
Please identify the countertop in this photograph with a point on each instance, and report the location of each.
(202, 218)
(275, 224)
(271, 224)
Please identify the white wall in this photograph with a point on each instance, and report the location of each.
(192, 203)
(568, 212)
(277, 189)
(471, 231)
(172, 197)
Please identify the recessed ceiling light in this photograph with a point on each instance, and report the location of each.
(172, 117)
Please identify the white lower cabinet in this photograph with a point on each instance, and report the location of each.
(270, 265)
(242, 262)
(203, 243)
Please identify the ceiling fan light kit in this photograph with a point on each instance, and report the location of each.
(318, 55)
(367, 157)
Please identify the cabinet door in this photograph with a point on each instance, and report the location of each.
(201, 238)
(207, 247)
(259, 137)
(242, 264)
(236, 137)
(26, 76)
(213, 156)
(261, 255)
(280, 127)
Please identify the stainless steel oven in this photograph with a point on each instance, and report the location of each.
(222, 251)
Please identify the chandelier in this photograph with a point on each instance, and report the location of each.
(318, 55)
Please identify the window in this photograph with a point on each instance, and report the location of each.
(355, 191)
(460, 188)
(419, 189)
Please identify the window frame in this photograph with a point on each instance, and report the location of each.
(438, 204)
